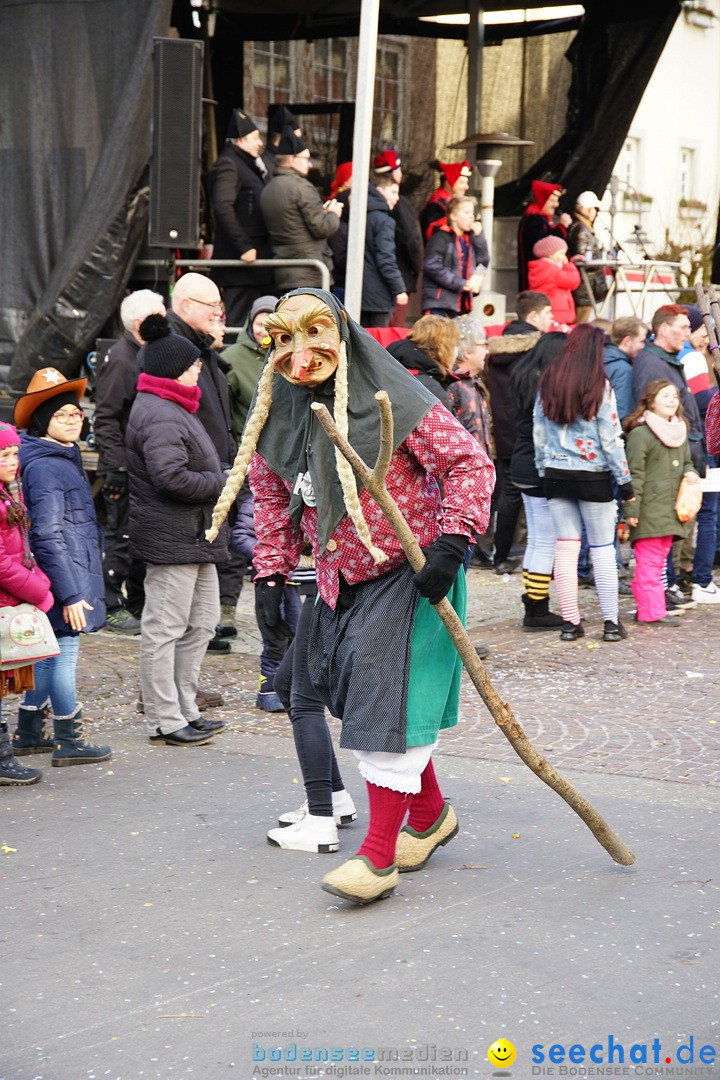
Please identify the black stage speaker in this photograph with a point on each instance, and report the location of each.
(176, 143)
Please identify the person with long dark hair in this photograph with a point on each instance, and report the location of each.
(578, 450)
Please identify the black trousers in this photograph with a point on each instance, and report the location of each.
(118, 567)
(313, 744)
(509, 505)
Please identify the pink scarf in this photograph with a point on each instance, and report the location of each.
(171, 390)
(671, 433)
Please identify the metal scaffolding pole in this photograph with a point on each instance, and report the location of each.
(364, 96)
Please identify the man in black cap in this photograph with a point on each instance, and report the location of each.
(409, 248)
(235, 183)
(280, 119)
(298, 221)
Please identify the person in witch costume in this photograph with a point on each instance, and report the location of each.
(378, 655)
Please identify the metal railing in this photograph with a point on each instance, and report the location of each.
(202, 265)
(635, 289)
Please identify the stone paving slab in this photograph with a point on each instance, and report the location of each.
(149, 932)
(647, 706)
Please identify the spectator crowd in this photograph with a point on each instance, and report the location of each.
(566, 434)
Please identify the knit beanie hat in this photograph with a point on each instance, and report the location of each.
(453, 170)
(388, 161)
(546, 247)
(263, 303)
(343, 173)
(289, 143)
(46, 410)
(542, 191)
(695, 317)
(164, 354)
(282, 118)
(240, 125)
(8, 436)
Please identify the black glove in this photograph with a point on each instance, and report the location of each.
(115, 484)
(275, 631)
(443, 559)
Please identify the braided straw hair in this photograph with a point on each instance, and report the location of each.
(245, 451)
(344, 468)
(250, 438)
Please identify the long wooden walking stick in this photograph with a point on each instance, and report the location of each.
(374, 480)
(711, 319)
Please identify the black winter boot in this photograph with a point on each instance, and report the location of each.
(70, 748)
(30, 736)
(538, 615)
(12, 773)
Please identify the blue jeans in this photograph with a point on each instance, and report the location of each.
(706, 539)
(584, 559)
(55, 679)
(540, 548)
(569, 516)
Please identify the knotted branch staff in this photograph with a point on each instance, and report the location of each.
(374, 481)
(711, 319)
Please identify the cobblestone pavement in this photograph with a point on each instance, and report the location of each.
(645, 707)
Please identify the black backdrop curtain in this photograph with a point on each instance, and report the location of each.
(613, 57)
(75, 102)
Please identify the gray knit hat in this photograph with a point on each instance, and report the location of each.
(164, 354)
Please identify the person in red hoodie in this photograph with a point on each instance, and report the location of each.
(551, 273)
(537, 222)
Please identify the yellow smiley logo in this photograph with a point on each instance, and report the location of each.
(501, 1053)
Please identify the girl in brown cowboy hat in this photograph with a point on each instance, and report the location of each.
(66, 541)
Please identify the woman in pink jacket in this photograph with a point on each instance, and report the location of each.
(21, 581)
(551, 273)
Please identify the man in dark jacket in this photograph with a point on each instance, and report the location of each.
(298, 221)
(235, 184)
(627, 339)
(383, 284)
(114, 394)
(660, 360)
(534, 317)
(409, 247)
(196, 306)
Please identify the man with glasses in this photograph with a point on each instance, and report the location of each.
(297, 219)
(196, 310)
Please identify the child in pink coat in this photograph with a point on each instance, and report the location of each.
(551, 273)
(21, 581)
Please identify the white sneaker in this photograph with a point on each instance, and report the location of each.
(706, 594)
(309, 834)
(343, 810)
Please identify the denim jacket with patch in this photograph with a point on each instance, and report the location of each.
(589, 445)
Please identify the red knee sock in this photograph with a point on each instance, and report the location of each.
(387, 813)
(426, 807)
